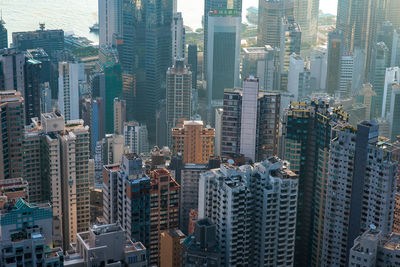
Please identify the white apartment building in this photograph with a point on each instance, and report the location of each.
(254, 209)
(178, 37)
(136, 137)
(360, 189)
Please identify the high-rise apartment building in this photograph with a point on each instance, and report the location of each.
(178, 37)
(119, 115)
(270, 15)
(3, 34)
(171, 248)
(263, 63)
(71, 79)
(299, 79)
(362, 181)
(373, 248)
(195, 142)
(136, 137)
(250, 195)
(164, 209)
(351, 73)
(109, 22)
(306, 134)
(179, 95)
(223, 49)
(11, 132)
(261, 117)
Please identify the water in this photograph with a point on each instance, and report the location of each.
(78, 15)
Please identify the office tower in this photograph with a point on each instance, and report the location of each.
(171, 248)
(26, 233)
(109, 21)
(32, 70)
(394, 115)
(179, 95)
(270, 15)
(3, 35)
(106, 244)
(113, 89)
(372, 248)
(71, 78)
(218, 130)
(335, 51)
(146, 56)
(357, 160)
(164, 209)
(189, 182)
(395, 59)
(12, 132)
(195, 142)
(351, 73)
(380, 63)
(248, 194)
(386, 34)
(161, 124)
(178, 37)
(97, 123)
(392, 77)
(367, 93)
(136, 137)
(119, 115)
(200, 249)
(306, 132)
(290, 42)
(263, 63)
(318, 69)
(306, 13)
(265, 122)
(12, 74)
(47, 74)
(223, 44)
(65, 168)
(298, 79)
(50, 40)
(211, 5)
(392, 11)
(192, 63)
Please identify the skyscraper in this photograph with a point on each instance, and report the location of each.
(136, 137)
(247, 194)
(263, 63)
(335, 51)
(223, 44)
(12, 75)
(11, 132)
(178, 37)
(306, 137)
(380, 63)
(145, 56)
(119, 115)
(70, 80)
(194, 142)
(306, 14)
(179, 95)
(113, 89)
(192, 63)
(3, 34)
(211, 5)
(109, 21)
(270, 15)
(32, 72)
(362, 181)
(259, 114)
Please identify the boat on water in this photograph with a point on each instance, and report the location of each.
(94, 28)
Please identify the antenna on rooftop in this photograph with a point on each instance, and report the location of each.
(42, 26)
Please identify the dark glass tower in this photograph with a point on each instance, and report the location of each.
(145, 57)
(3, 35)
(32, 69)
(192, 62)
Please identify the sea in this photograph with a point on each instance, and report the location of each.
(76, 16)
